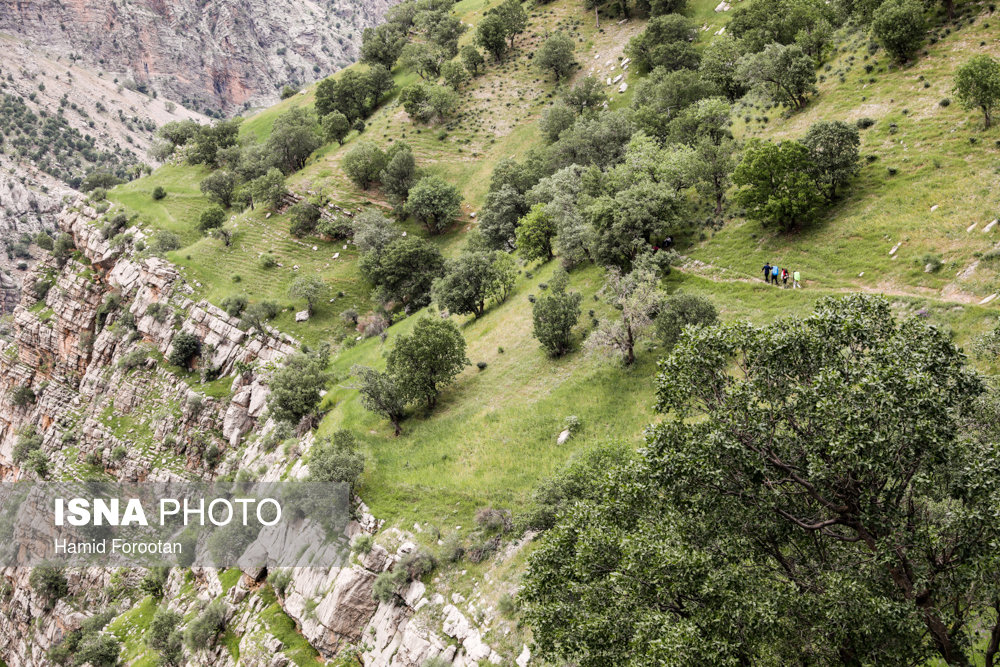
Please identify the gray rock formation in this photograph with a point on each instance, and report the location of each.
(222, 53)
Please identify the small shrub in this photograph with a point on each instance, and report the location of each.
(945, 102)
(234, 305)
(280, 580)
(363, 543)
(49, 583)
(387, 583)
(184, 347)
(864, 123)
(931, 263)
(159, 193)
(205, 629)
(492, 520)
(23, 396)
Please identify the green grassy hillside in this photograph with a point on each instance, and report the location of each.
(493, 436)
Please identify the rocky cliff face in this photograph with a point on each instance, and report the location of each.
(220, 54)
(90, 352)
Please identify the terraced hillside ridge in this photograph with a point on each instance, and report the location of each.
(315, 254)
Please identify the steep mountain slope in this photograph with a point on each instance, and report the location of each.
(493, 435)
(218, 55)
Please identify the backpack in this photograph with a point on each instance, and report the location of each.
(774, 271)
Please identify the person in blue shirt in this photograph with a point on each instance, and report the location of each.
(767, 272)
(775, 272)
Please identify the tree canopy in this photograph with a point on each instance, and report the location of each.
(820, 489)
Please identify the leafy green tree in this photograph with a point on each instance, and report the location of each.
(626, 223)
(561, 193)
(373, 232)
(472, 59)
(49, 583)
(183, 348)
(293, 138)
(336, 127)
(637, 298)
(442, 29)
(977, 85)
(269, 189)
(781, 21)
(400, 173)
(724, 494)
(210, 139)
(211, 218)
(454, 74)
(718, 66)
(428, 359)
(304, 218)
(382, 394)
(219, 186)
(505, 274)
(556, 55)
(661, 97)
(98, 650)
(404, 271)
(556, 118)
(535, 233)
(595, 139)
(352, 92)
(666, 42)
(833, 149)
(257, 315)
(467, 284)
(204, 629)
(776, 183)
(587, 93)
(22, 396)
(44, 241)
(296, 386)
(62, 248)
(363, 163)
(382, 45)
(434, 203)
(514, 18)
(498, 219)
(424, 103)
(179, 132)
(900, 27)
(491, 35)
(310, 289)
(680, 310)
(554, 314)
(163, 242)
(773, 556)
(337, 459)
(424, 59)
(165, 635)
(789, 72)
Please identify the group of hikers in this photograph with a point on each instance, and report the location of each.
(772, 274)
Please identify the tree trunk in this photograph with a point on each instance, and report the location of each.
(630, 341)
(986, 114)
(994, 645)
